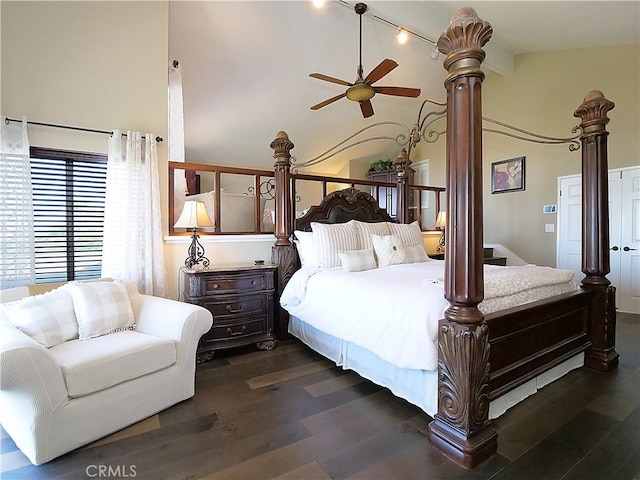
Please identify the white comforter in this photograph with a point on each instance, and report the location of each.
(392, 311)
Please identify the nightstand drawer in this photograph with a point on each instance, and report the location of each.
(234, 306)
(256, 326)
(237, 282)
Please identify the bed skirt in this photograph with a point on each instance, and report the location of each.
(419, 387)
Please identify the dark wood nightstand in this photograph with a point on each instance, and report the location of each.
(241, 300)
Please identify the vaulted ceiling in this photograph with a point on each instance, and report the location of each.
(246, 65)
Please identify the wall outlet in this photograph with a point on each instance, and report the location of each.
(549, 227)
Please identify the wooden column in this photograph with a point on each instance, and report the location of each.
(283, 252)
(461, 428)
(595, 231)
(402, 164)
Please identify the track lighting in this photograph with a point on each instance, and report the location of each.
(402, 36)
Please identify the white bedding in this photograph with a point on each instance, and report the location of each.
(392, 311)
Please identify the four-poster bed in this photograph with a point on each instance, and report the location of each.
(481, 357)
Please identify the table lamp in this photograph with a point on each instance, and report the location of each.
(194, 215)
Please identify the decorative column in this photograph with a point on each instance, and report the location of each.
(402, 166)
(595, 231)
(283, 252)
(461, 428)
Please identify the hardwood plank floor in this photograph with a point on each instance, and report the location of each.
(290, 414)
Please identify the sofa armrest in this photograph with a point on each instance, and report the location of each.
(27, 368)
(183, 322)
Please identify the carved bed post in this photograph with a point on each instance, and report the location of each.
(595, 231)
(402, 166)
(461, 428)
(283, 253)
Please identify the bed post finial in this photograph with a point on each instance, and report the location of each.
(283, 253)
(402, 167)
(595, 231)
(461, 429)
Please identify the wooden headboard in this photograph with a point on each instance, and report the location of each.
(342, 206)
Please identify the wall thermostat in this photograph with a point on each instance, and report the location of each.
(549, 209)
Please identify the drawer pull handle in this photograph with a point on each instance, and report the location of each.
(253, 282)
(215, 285)
(230, 309)
(240, 332)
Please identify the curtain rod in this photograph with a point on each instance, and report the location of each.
(81, 129)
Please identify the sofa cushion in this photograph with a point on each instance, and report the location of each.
(48, 318)
(102, 362)
(101, 308)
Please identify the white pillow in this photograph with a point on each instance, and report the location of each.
(389, 250)
(365, 230)
(306, 248)
(48, 318)
(415, 254)
(409, 234)
(358, 260)
(101, 308)
(331, 239)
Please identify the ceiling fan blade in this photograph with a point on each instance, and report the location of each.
(327, 102)
(326, 78)
(398, 91)
(367, 108)
(380, 71)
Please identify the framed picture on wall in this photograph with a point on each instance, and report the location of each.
(507, 175)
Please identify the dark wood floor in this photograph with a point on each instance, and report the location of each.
(289, 414)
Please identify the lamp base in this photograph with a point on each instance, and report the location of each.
(196, 253)
(441, 244)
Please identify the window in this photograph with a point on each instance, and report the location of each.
(68, 205)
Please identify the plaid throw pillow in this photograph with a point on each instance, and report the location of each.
(48, 318)
(101, 308)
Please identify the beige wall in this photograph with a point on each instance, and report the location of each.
(541, 96)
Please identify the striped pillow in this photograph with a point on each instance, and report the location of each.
(358, 260)
(101, 308)
(48, 318)
(415, 254)
(331, 239)
(409, 234)
(365, 230)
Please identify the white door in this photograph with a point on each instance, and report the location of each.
(624, 233)
(569, 249)
(629, 247)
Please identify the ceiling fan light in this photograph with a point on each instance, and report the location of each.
(360, 93)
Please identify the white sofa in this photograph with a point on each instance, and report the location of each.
(56, 399)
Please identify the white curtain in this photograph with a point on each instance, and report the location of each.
(176, 135)
(132, 247)
(17, 251)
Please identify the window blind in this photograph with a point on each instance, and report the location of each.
(68, 204)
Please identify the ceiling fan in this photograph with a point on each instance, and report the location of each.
(362, 90)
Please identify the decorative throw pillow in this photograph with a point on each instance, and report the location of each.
(48, 318)
(409, 234)
(306, 248)
(101, 308)
(358, 260)
(389, 250)
(330, 239)
(365, 230)
(415, 254)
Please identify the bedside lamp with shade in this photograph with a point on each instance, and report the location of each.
(441, 224)
(194, 215)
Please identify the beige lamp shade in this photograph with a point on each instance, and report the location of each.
(441, 219)
(194, 215)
